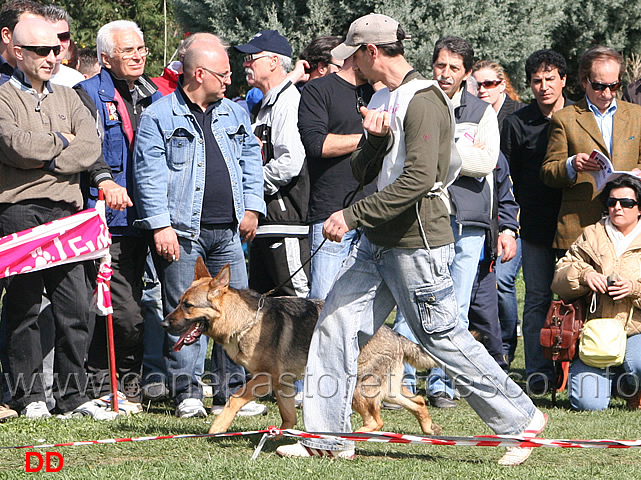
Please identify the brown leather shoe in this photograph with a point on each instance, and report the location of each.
(634, 402)
(6, 413)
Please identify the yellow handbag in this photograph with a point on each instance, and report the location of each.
(602, 342)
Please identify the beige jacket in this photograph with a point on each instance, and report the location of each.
(593, 251)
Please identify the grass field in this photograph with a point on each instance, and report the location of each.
(230, 458)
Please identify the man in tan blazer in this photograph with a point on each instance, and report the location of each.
(598, 122)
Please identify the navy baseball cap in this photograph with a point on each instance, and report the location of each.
(267, 41)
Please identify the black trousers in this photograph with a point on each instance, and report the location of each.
(69, 290)
(484, 313)
(128, 256)
(272, 260)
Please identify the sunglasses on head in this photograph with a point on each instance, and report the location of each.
(625, 202)
(600, 87)
(490, 83)
(64, 36)
(42, 50)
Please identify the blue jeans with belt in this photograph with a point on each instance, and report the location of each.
(371, 281)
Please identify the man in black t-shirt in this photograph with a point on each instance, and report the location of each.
(330, 127)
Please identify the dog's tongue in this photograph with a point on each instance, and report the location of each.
(189, 337)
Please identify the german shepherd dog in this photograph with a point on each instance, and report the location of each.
(270, 337)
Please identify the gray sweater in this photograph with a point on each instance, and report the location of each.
(36, 160)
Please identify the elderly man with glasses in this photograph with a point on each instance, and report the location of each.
(116, 97)
(596, 122)
(281, 246)
(198, 186)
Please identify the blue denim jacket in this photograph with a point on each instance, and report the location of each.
(169, 164)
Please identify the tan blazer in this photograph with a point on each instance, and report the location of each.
(574, 130)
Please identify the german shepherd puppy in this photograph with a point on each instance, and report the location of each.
(270, 337)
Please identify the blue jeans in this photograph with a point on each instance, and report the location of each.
(590, 387)
(468, 245)
(326, 263)
(154, 369)
(538, 272)
(508, 306)
(372, 280)
(217, 247)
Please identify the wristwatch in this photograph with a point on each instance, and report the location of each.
(508, 231)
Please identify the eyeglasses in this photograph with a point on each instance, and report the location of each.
(129, 53)
(625, 202)
(600, 87)
(64, 36)
(490, 83)
(42, 50)
(254, 56)
(336, 65)
(222, 76)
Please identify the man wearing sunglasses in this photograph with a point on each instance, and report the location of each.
(598, 121)
(117, 97)
(60, 19)
(48, 139)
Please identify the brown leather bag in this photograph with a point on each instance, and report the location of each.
(560, 333)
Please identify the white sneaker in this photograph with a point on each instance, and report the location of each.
(95, 410)
(298, 450)
(517, 455)
(248, 410)
(191, 407)
(124, 406)
(36, 410)
(251, 409)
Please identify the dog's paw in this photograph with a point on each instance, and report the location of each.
(436, 430)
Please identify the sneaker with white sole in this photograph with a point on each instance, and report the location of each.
(36, 410)
(93, 409)
(517, 455)
(298, 450)
(298, 400)
(249, 410)
(191, 407)
(124, 406)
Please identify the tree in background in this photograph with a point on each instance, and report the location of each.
(89, 15)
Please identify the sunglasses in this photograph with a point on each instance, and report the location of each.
(42, 50)
(490, 83)
(625, 202)
(600, 87)
(64, 36)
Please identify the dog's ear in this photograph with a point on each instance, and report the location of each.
(200, 271)
(221, 282)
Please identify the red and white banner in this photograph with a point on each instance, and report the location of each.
(79, 237)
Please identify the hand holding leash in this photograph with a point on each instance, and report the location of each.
(335, 227)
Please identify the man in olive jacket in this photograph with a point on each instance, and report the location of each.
(402, 257)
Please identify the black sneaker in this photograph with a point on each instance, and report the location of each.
(441, 400)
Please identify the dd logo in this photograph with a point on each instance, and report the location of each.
(46, 461)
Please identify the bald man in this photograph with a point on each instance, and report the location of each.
(48, 138)
(198, 188)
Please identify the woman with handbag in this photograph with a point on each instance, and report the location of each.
(606, 261)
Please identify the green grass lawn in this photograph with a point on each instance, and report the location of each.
(230, 457)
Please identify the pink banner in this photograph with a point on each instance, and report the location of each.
(83, 236)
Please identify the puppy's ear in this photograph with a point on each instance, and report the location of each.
(200, 271)
(221, 282)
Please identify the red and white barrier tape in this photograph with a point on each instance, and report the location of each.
(380, 437)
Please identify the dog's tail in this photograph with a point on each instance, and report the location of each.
(416, 355)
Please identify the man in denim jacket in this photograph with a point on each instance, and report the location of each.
(199, 187)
